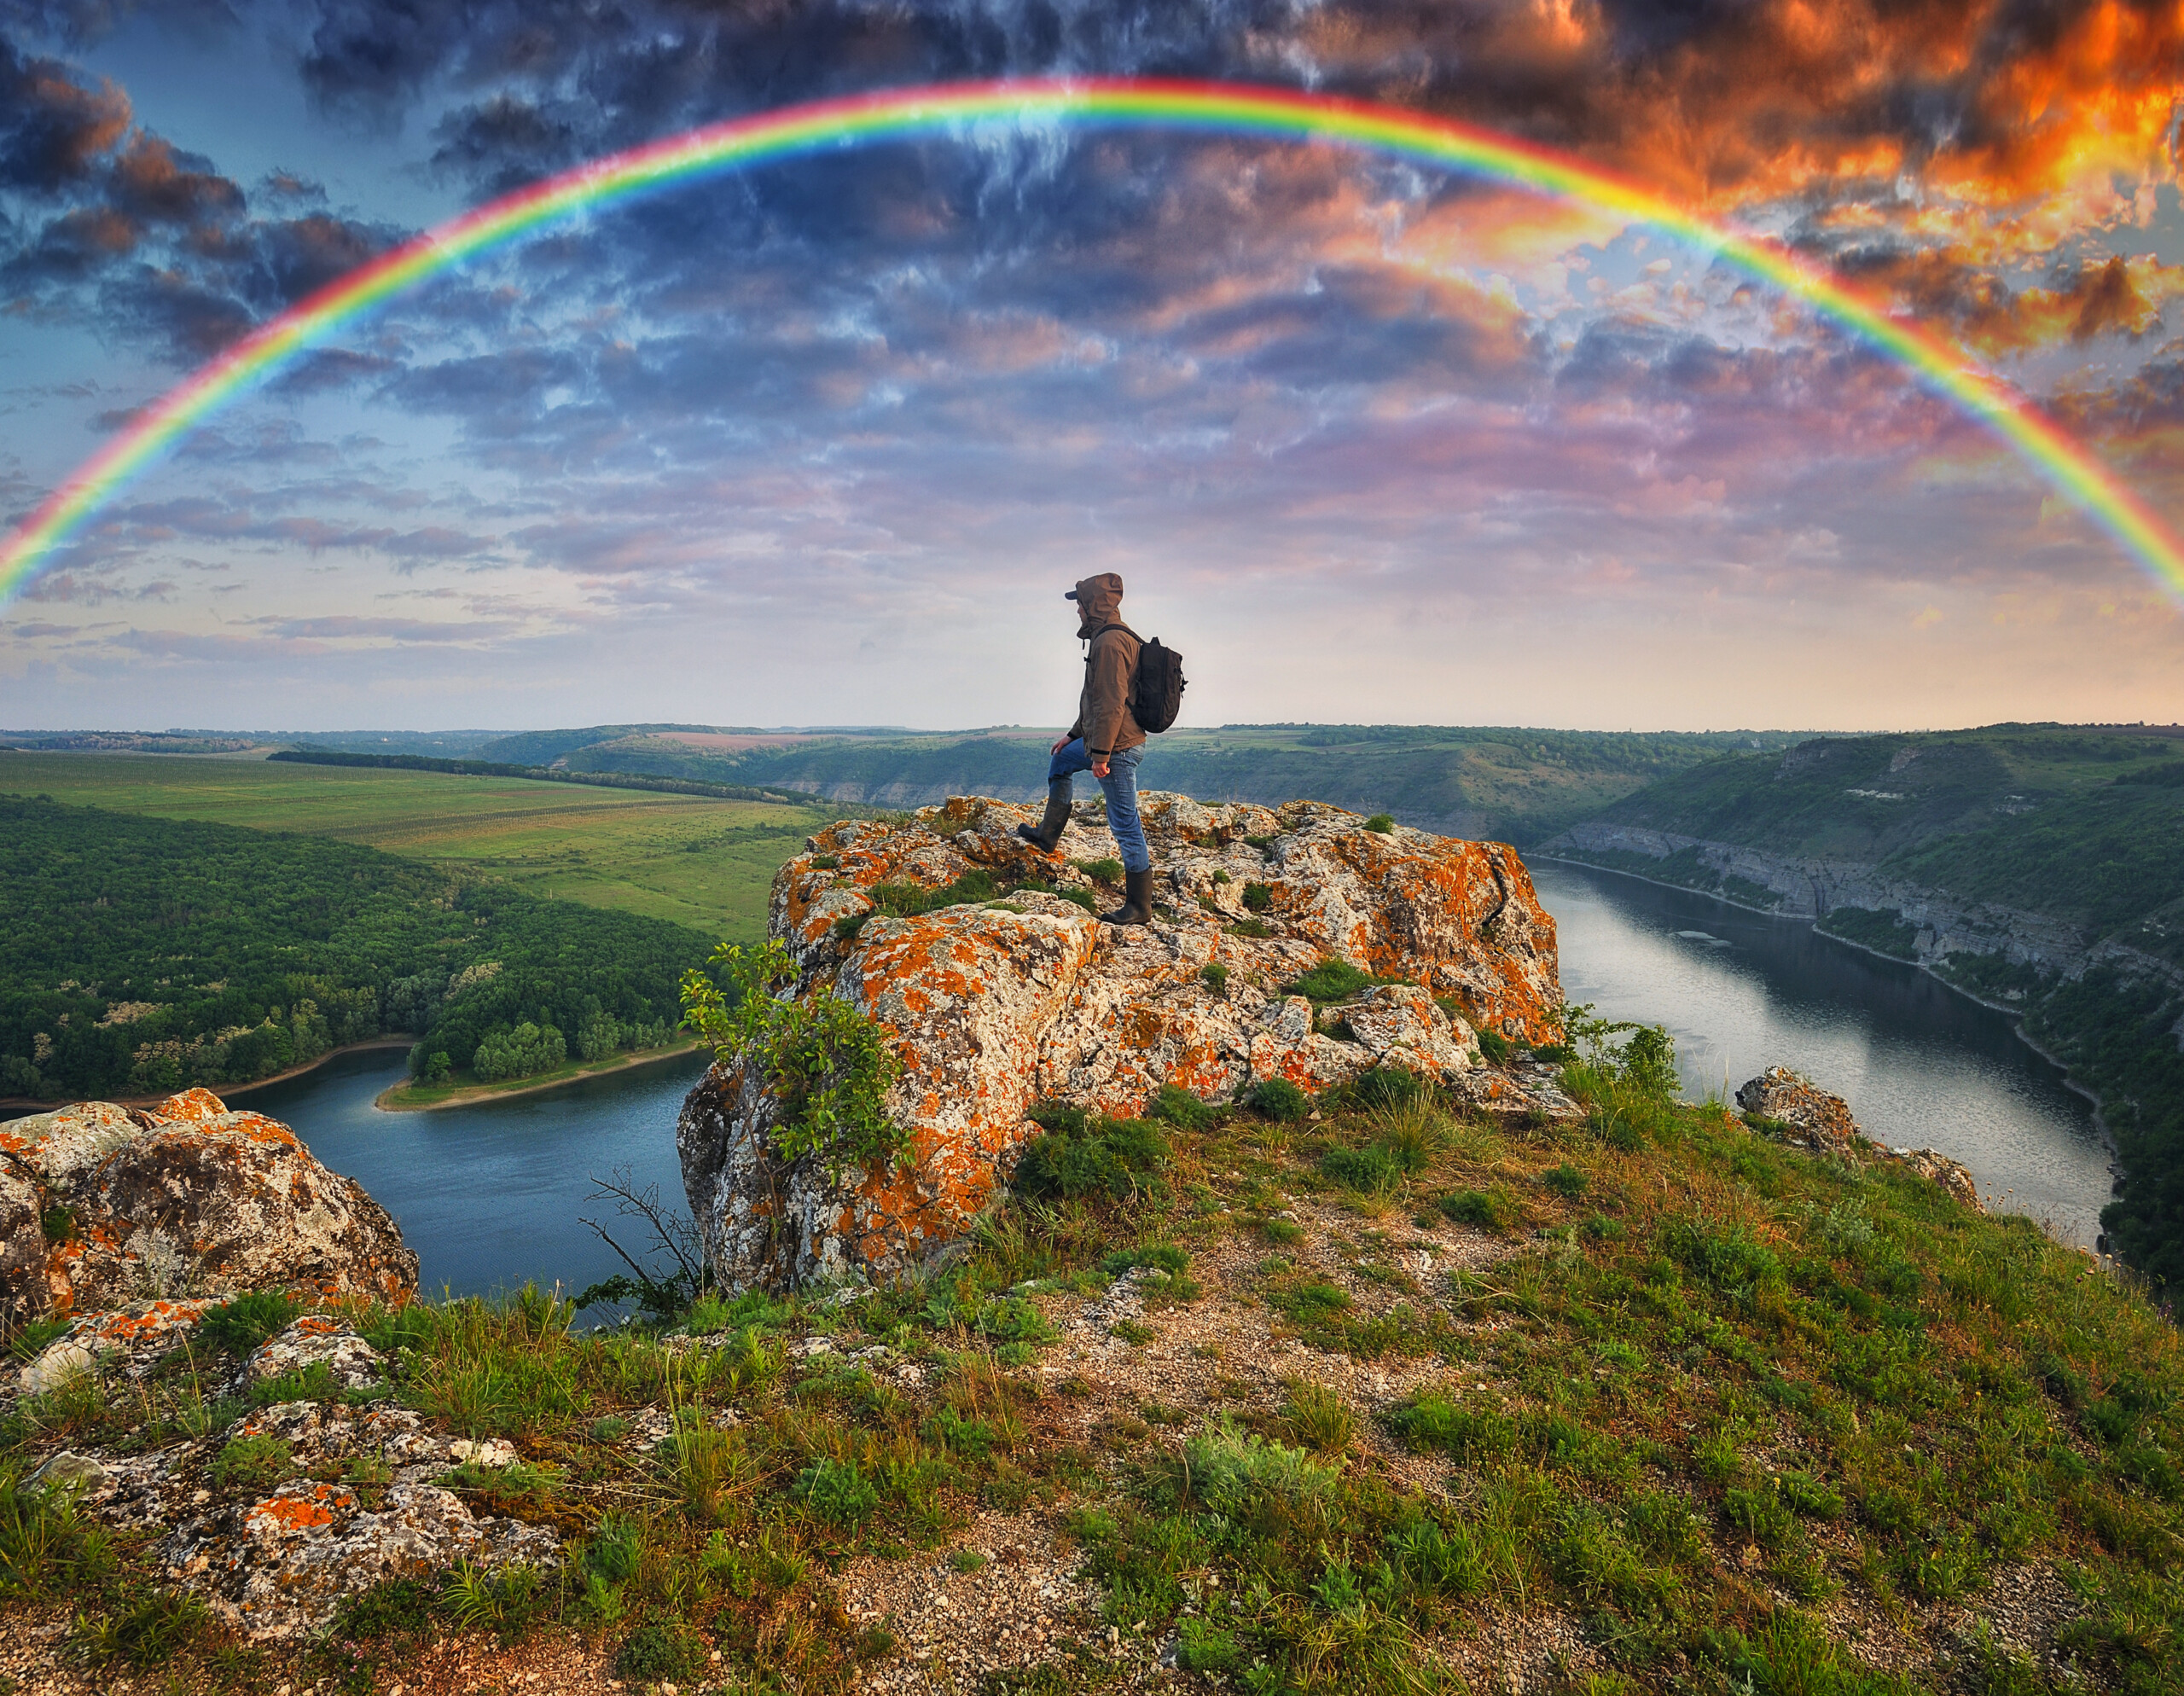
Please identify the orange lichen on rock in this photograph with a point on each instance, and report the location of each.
(994, 1006)
(189, 1196)
(288, 1511)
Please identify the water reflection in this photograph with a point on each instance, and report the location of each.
(1920, 1065)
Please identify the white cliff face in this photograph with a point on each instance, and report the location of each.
(993, 1005)
(1812, 888)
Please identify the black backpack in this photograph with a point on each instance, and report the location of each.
(1156, 687)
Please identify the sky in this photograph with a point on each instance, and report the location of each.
(823, 443)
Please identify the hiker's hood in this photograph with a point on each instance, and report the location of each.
(1099, 602)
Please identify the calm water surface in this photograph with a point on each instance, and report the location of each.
(1921, 1066)
(493, 1194)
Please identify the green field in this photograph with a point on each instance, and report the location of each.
(704, 864)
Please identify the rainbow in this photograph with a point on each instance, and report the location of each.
(1225, 108)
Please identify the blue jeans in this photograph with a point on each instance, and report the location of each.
(1121, 786)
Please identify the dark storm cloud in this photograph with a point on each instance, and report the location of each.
(149, 242)
(54, 129)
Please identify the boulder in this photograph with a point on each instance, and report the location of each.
(188, 1198)
(1953, 1176)
(993, 1004)
(1784, 1096)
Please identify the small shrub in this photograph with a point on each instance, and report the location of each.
(1437, 1561)
(825, 863)
(1488, 1209)
(824, 1059)
(1279, 1099)
(1215, 977)
(1259, 898)
(1175, 1104)
(1107, 870)
(654, 1654)
(505, 1602)
(1281, 1232)
(1249, 928)
(1494, 1046)
(1316, 1417)
(251, 1463)
(1333, 979)
(1380, 823)
(1097, 1157)
(1223, 877)
(966, 1560)
(237, 1327)
(1203, 1646)
(837, 1491)
(1564, 1179)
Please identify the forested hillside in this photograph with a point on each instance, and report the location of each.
(2040, 866)
(145, 955)
(1505, 785)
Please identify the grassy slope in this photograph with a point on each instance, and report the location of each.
(1694, 1412)
(707, 864)
(1518, 786)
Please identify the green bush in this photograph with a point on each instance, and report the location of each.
(1380, 823)
(239, 1326)
(1486, 1209)
(1080, 1156)
(837, 1491)
(1203, 1646)
(254, 1464)
(1175, 1104)
(1333, 979)
(1106, 870)
(1279, 1099)
(1259, 898)
(827, 1062)
(1494, 1046)
(661, 1653)
(1215, 977)
(1564, 1179)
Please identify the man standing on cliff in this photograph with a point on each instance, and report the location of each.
(1105, 741)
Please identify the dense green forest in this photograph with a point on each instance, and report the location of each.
(2081, 823)
(145, 955)
(1508, 784)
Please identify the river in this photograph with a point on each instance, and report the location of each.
(494, 1194)
(1921, 1066)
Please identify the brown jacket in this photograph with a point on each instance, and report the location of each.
(1103, 715)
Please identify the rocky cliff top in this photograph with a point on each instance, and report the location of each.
(1297, 943)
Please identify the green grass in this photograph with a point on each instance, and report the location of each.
(707, 864)
(1715, 1398)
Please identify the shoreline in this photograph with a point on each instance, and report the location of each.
(471, 1094)
(226, 1092)
(2014, 1014)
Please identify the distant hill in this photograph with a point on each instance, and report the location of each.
(2039, 866)
(1510, 785)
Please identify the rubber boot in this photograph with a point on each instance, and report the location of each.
(1045, 834)
(1137, 900)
